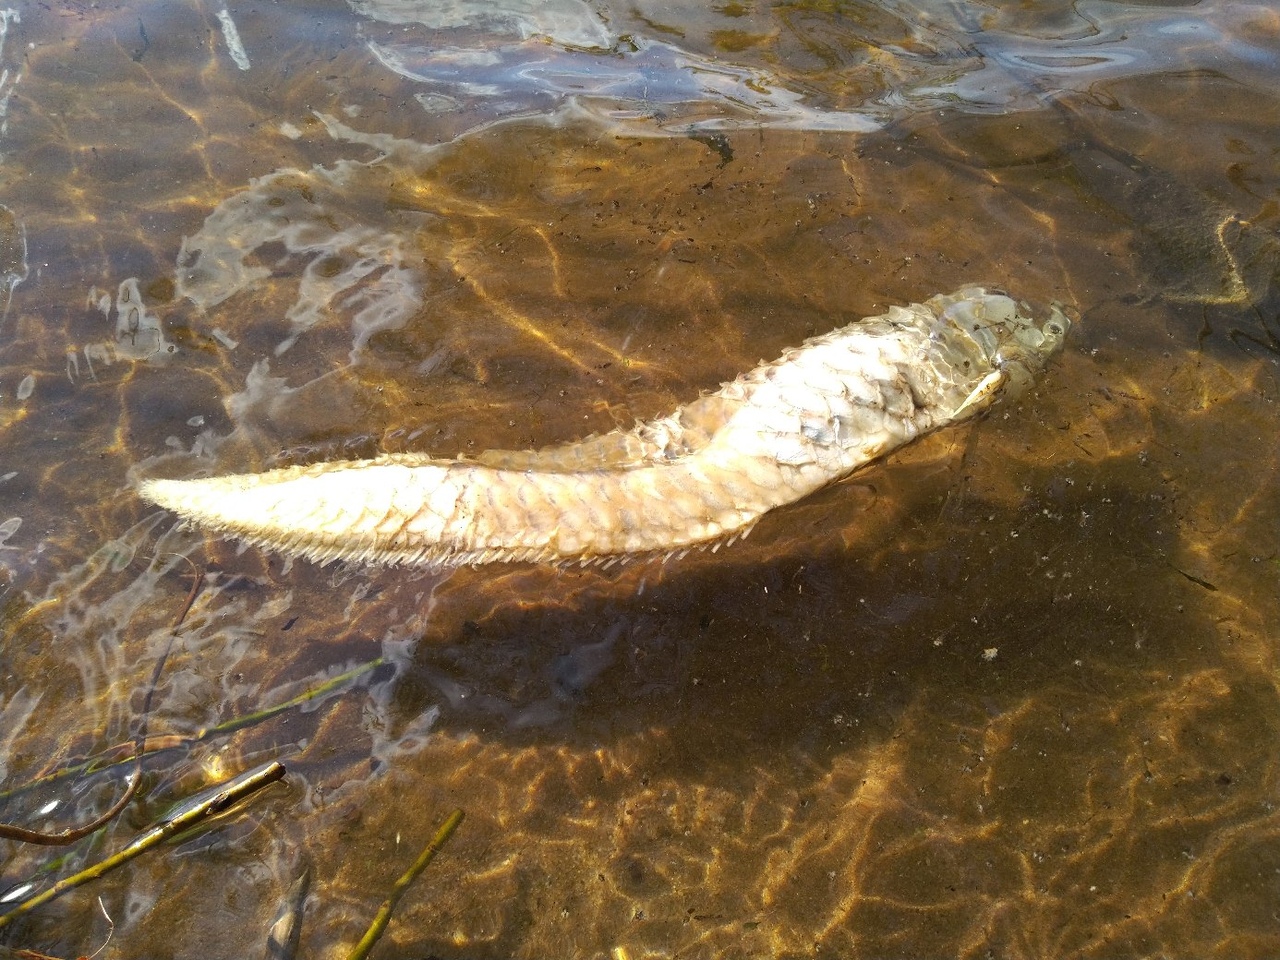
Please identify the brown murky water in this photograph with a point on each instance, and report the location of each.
(1013, 693)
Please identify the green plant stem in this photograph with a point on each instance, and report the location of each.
(227, 726)
(232, 792)
(383, 916)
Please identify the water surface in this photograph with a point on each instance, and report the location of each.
(1012, 693)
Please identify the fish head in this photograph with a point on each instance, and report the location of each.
(1008, 335)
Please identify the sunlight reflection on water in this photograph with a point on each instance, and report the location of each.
(1012, 692)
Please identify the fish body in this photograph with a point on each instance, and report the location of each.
(701, 476)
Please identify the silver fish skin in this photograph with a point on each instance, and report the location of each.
(701, 476)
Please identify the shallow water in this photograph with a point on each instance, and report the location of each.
(1012, 693)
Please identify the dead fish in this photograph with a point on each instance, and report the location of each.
(702, 476)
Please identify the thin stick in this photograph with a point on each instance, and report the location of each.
(232, 792)
(11, 831)
(163, 742)
(383, 916)
(248, 720)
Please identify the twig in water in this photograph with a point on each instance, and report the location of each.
(163, 742)
(231, 793)
(383, 916)
(11, 831)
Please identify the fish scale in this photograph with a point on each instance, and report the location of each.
(699, 477)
